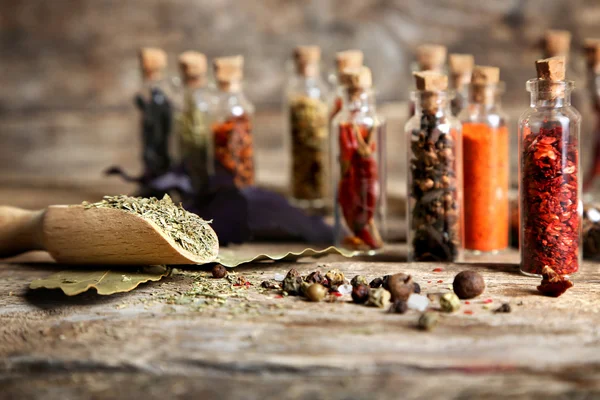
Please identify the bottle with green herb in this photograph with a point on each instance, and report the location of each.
(193, 129)
(306, 136)
(233, 149)
(155, 105)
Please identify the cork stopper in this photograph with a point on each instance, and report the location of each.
(430, 81)
(551, 71)
(431, 57)
(152, 61)
(229, 72)
(307, 60)
(483, 84)
(193, 68)
(358, 80)
(557, 43)
(461, 68)
(591, 49)
(348, 59)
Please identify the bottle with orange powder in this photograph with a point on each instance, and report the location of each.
(486, 164)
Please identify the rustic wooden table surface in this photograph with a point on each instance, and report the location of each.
(161, 342)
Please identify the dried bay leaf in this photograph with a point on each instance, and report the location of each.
(106, 282)
(232, 258)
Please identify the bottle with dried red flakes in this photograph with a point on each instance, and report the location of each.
(435, 197)
(359, 167)
(231, 127)
(550, 176)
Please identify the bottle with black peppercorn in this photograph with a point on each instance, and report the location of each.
(434, 212)
(550, 179)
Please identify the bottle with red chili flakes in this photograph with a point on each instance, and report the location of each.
(549, 170)
(348, 59)
(486, 164)
(434, 211)
(358, 167)
(232, 125)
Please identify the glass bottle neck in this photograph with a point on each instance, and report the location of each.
(432, 102)
(549, 94)
(359, 100)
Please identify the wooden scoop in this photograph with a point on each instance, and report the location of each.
(78, 235)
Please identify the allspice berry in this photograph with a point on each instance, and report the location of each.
(398, 307)
(316, 292)
(360, 293)
(219, 271)
(468, 284)
(400, 286)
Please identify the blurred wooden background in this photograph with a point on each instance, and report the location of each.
(68, 69)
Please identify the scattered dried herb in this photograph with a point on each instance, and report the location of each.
(449, 302)
(335, 278)
(427, 321)
(314, 277)
(270, 285)
(234, 152)
(468, 284)
(434, 215)
(187, 230)
(550, 218)
(219, 271)
(504, 308)
(359, 280)
(360, 293)
(378, 298)
(308, 119)
(553, 284)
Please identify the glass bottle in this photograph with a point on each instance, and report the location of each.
(592, 54)
(194, 137)
(156, 109)
(359, 168)
(434, 211)
(231, 119)
(461, 68)
(486, 164)
(430, 57)
(348, 59)
(306, 136)
(549, 170)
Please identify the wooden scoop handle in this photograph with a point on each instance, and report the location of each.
(20, 231)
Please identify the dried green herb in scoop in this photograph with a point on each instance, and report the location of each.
(187, 230)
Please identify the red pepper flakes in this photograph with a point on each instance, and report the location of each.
(440, 281)
(438, 269)
(488, 301)
(337, 294)
(359, 189)
(428, 281)
(467, 302)
(234, 149)
(469, 312)
(279, 296)
(549, 202)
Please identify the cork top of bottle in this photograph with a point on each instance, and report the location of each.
(430, 81)
(431, 56)
(591, 48)
(193, 67)
(485, 75)
(307, 60)
(557, 42)
(229, 72)
(152, 61)
(461, 68)
(349, 59)
(551, 69)
(359, 78)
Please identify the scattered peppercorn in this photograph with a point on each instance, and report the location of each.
(504, 308)
(335, 278)
(292, 283)
(359, 280)
(468, 284)
(219, 271)
(553, 284)
(417, 288)
(316, 292)
(398, 307)
(376, 283)
(314, 277)
(378, 298)
(449, 302)
(360, 293)
(270, 285)
(384, 283)
(427, 321)
(400, 286)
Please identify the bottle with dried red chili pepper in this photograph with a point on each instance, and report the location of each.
(434, 211)
(358, 167)
(486, 164)
(348, 59)
(549, 170)
(306, 133)
(232, 125)
(154, 102)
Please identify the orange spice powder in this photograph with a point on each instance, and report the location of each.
(486, 181)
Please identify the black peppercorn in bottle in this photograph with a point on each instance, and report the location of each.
(435, 211)
(157, 113)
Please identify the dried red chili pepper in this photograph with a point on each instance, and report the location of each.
(233, 149)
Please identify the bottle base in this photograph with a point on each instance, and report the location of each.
(476, 252)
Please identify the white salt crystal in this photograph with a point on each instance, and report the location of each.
(417, 302)
(345, 289)
(279, 277)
